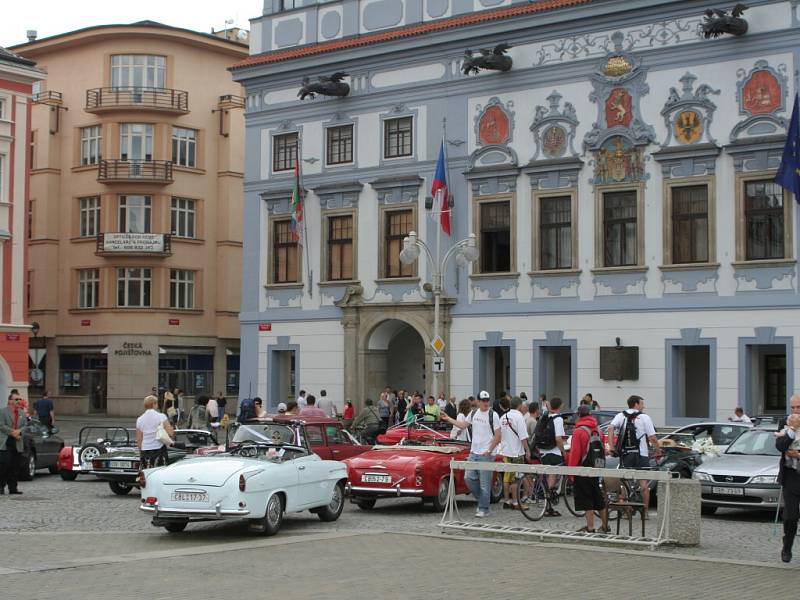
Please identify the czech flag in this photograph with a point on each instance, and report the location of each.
(441, 194)
(296, 204)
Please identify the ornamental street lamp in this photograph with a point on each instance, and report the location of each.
(465, 251)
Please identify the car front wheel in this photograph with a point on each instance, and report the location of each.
(29, 469)
(440, 499)
(332, 510)
(274, 515)
(120, 489)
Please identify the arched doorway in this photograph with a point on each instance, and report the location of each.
(394, 356)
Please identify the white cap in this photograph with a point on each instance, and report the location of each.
(484, 395)
(282, 407)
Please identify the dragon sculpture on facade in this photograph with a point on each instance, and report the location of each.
(718, 22)
(327, 86)
(494, 59)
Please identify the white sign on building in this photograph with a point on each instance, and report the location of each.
(133, 242)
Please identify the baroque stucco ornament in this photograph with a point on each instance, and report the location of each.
(554, 129)
(619, 84)
(761, 94)
(494, 130)
(688, 114)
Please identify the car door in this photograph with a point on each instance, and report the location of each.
(339, 444)
(313, 481)
(51, 446)
(34, 436)
(316, 440)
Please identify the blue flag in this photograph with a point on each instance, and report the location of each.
(789, 172)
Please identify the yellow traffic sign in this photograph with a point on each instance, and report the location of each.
(437, 344)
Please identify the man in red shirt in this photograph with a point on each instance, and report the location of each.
(586, 490)
(310, 409)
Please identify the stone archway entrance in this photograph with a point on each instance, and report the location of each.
(394, 356)
(388, 344)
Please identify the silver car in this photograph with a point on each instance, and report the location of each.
(744, 476)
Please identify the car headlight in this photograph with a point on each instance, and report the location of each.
(701, 476)
(765, 479)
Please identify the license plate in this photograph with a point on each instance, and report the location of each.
(376, 478)
(727, 491)
(119, 464)
(190, 496)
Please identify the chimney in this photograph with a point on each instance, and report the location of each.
(31, 33)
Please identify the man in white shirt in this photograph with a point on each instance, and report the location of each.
(740, 417)
(630, 434)
(485, 440)
(301, 400)
(513, 447)
(326, 405)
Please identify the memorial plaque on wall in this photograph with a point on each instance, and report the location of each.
(619, 362)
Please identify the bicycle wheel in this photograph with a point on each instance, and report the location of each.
(565, 490)
(536, 490)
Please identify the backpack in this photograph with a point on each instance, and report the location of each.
(595, 452)
(247, 409)
(545, 432)
(627, 441)
(491, 421)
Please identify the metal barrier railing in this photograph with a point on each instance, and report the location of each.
(451, 518)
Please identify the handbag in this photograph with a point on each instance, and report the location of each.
(162, 435)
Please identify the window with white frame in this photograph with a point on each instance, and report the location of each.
(555, 232)
(620, 228)
(339, 145)
(284, 151)
(134, 214)
(133, 287)
(3, 108)
(2, 177)
(89, 216)
(88, 288)
(138, 71)
(183, 217)
(398, 137)
(91, 145)
(184, 147)
(181, 288)
(136, 141)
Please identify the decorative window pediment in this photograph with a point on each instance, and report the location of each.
(761, 94)
(554, 129)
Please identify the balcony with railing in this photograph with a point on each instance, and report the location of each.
(143, 171)
(137, 98)
(134, 244)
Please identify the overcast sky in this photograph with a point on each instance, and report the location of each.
(50, 17)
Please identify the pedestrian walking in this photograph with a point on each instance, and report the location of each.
(588, 450)
(12, 424)
(550, 436)
(629, 434)
(45, 411)
(513, 447)
(400, 407)
(348, 414)
(311, 409)
(384, 409)
(485, 440)
(301, 400)
(152, 451)
(787, 442)
(326, 405)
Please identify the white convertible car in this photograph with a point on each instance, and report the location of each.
(270, 472)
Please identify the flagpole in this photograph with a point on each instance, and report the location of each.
(309, 274)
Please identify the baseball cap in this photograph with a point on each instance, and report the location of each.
(282, 407)
(484, 395)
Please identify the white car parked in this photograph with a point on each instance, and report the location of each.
(272, 471)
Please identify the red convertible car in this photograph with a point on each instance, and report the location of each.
(409, 470)
(420, 431)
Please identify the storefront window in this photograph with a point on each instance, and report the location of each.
(232, 374)
(83, 375)
(192, 373)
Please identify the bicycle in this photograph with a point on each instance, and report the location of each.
(536, 497)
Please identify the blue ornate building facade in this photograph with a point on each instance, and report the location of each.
(618, 179)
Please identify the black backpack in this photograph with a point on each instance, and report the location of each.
(247, 409)
(544, 435)
(595, 451)
(627, 441)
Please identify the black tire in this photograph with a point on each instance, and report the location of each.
(707, 510)
(534, 509)
(53, 469)
(68, 475)
(330, 512)
(497, 488)
(273, 516)
(366, 503)
(28, 468)
(176, 527)
(120, 489)
(440, 499)
(569, 497)
(90, 451)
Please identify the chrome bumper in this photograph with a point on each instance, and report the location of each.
(382, 491)
(194, 513)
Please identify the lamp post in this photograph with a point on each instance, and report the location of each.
(465, 251)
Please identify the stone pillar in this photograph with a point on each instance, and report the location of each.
(682, 511)
(350, 323)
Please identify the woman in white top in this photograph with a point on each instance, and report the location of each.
(152, 452)
(463, 411)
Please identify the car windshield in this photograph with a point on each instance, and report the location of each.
(760, 443)
(193, 439)
(269, 433)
